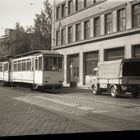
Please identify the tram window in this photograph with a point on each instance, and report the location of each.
(47, 65)
(40, 63)
(54, 65)
(36, 64)
(19, 65)
(28, 64)
(23, 65)
(0, 67)
(60, 63)
(15, 66)
(5, 66)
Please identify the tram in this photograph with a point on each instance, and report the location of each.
(36, 69)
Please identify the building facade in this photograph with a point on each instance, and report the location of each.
(90, 31)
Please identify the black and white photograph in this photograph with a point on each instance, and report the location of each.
(69, 67)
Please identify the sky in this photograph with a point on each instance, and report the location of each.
(22, 11)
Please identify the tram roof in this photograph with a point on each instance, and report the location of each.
(49, 52)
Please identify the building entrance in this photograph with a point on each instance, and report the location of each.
(73, 69)
(90, 62)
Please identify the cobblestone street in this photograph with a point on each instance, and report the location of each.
(25, 112)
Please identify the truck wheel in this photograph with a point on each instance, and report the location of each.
(135, 95)
(114, 91)
(135, 91)
(2, 83)
(95, 90)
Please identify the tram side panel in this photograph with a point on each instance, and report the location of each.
(1, 76)
(22, 77)
(22, 71)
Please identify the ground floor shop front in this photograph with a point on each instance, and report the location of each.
(80, 60)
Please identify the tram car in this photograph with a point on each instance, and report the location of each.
(4, 71)
(37, 69)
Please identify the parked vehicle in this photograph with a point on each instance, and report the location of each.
(117, 77)
(36, 69)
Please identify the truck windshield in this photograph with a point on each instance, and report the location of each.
(131, 69)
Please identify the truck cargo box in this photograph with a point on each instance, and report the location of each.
(110, 69)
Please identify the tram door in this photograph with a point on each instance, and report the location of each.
(38, 73)
(74, 69)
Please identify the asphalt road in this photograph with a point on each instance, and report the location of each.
(25, 112)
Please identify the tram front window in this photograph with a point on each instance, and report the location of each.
(52, 63)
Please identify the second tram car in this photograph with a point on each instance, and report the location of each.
(4, 72)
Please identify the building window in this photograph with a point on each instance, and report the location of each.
(58, 13)
(91, 60)
(78, 32)
(136, 51)
(108, 23)
(70, 34)
(87, 3)
(70, 6)
(136, 15)
(86, 29)
(121, 20)
(96, 1)
(63, 10)
(97, 26)
(114, 54)
(78, 5)
(63, 36)
(57, 37)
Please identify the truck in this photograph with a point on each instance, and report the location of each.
(117, 77)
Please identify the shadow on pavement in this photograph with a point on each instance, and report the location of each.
(67, 90)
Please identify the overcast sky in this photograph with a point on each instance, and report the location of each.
(22, 11)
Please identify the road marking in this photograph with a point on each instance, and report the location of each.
(100, 111)
(85, 108)
(57, 101)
